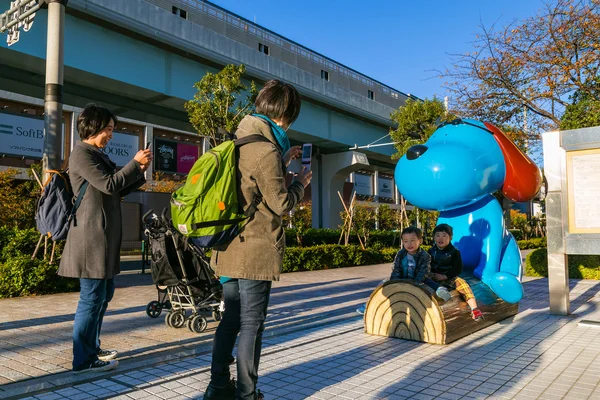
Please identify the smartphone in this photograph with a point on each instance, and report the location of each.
(306, 155)
(148, 145)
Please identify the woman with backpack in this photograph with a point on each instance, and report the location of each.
(254, 258)
(92, 250)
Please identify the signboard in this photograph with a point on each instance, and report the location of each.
(583, 186)
(21, 136)
(385, 187)
(186, 157)
(122, 148)
(363, 184)
(165, 156)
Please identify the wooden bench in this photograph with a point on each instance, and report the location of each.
(406, 310)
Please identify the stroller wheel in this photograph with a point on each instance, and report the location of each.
(197, 324)
(217, 315)
(153, 309)
(175, 319)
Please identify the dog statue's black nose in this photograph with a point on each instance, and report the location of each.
(416, 151)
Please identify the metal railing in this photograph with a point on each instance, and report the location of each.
(244, 31)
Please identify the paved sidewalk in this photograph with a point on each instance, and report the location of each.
(314, 348)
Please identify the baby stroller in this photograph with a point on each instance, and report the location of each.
(181, 272)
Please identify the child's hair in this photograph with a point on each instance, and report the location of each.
(412, 229)
(443, 228)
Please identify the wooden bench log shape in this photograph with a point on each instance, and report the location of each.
(406, 310)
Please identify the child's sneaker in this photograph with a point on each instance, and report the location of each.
(476, 314)
(361, 310)
(443, 293)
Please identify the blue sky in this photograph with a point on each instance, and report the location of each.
(397, 42)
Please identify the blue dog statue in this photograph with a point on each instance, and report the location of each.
(456, 172)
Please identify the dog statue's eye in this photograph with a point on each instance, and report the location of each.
(416, 151)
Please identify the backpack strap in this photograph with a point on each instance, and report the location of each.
(251, 139)
(80, 196)
(78, 200)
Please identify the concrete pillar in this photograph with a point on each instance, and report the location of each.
(149, 137)
(74, 132)
(334, 169)
(558, 271)
(376, 187)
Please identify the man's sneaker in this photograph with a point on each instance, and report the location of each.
(476, 314)
(443, 293)
(98, 366)
(220, 393)
(107, 355)
(361, 310)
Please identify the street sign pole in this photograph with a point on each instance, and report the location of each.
(53, 99)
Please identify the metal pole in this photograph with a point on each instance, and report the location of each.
(53, 100)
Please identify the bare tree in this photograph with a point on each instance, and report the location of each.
(531, 68)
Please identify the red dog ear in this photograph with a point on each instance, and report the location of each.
(523, 178)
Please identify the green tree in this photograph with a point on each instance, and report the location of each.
(219, 104)
(584, 111)
(300, 219)
(416, 120)
(389, 219)
(519, 221)
(363, 221)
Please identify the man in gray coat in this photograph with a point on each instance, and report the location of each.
(92, 250)
(248, 264)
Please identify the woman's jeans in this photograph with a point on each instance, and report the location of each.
(246, 303)
(93, 300)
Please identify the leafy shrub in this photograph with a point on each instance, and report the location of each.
(517, 233)
(533, 243)
(22, 276)
(17, 200)
(580, 266)
(333, 256)
(315, 237)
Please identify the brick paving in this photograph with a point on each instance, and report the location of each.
(314, 348)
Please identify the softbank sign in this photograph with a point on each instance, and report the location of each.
(21, 136)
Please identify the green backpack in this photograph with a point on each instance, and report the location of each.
(206, 207)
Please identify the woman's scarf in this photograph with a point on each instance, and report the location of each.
(278, 132)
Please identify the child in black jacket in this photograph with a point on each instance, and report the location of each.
(446, 266)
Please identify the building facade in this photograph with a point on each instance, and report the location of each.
(141, 58)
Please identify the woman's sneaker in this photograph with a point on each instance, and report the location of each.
(476, 314)
(107, 355)
(361, 310)
(220, 393)
(443, 293)
(98, 366)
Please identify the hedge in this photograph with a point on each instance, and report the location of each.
(333, 256)
(377, 239)
(22, 276)
(315, 237)
(580, 267)
(534, 243)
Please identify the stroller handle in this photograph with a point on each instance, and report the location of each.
(147, 214)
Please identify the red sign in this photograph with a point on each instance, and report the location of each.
(186, 157)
